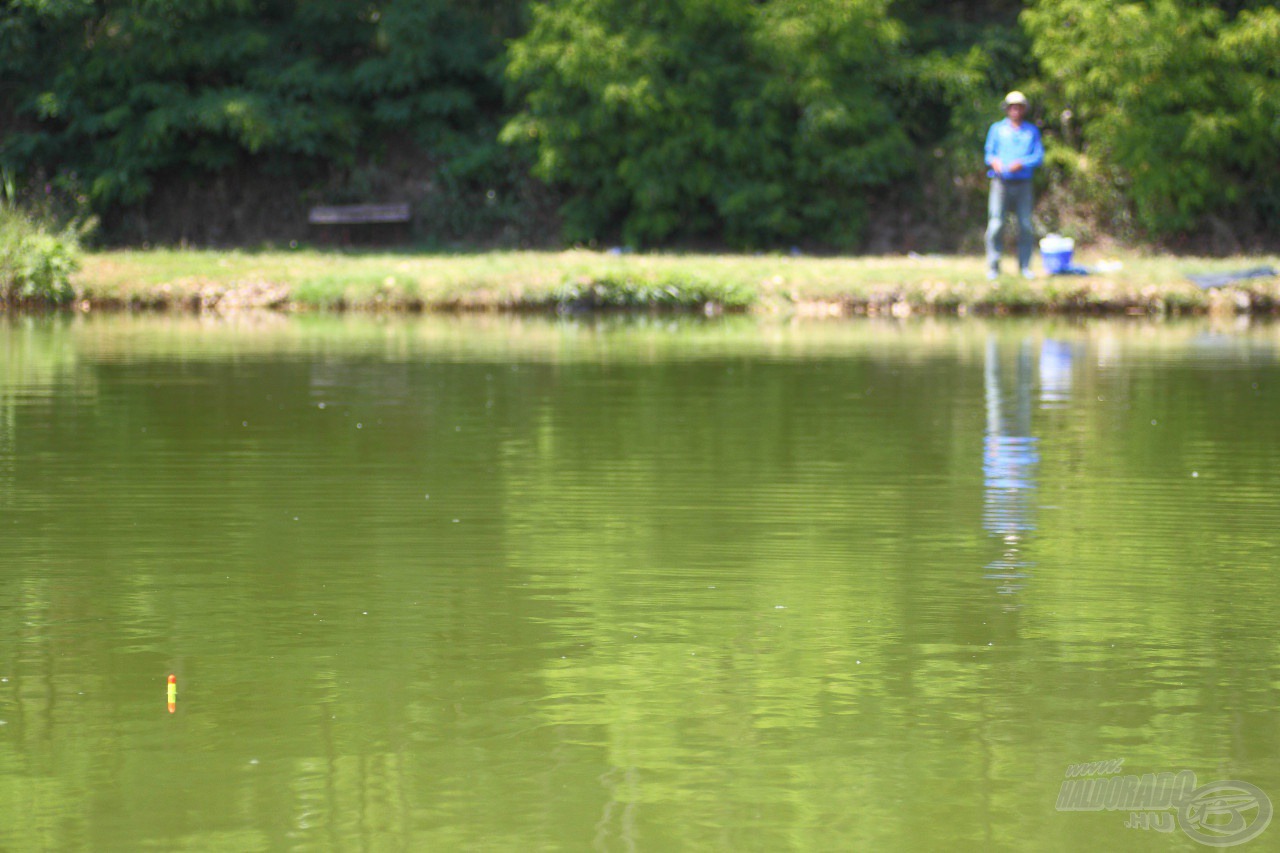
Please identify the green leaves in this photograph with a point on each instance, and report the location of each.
(1180, 100)
(766, 123)
(761, 123)
(35, 264)
(124, 94)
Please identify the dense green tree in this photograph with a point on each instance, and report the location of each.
(761, 122)
(752, 122)
(958, 58)
(125, 93)
(1177, 98)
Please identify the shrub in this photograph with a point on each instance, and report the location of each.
(35, 264)
(670, 292)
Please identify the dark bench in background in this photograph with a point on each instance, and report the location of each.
(374, 219)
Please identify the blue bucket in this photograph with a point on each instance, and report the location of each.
(1057, 262)
(1056, 253)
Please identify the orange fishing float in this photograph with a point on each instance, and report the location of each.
(173, 693)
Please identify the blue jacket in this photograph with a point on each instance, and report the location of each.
(1008, 143)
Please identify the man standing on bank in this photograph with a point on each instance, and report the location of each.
(1014, 151)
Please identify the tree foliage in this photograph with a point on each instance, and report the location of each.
(124, 93)
(758, 121)
(753, 122)
(1180, 99)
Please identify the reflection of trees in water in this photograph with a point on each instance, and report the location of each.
(1011, 455)
(8, 440)
(36, 354)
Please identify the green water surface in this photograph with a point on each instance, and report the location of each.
(534, 584)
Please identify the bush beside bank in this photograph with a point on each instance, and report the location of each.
(309, 280)
(36, 264)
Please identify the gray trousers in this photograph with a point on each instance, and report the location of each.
(1010, 197)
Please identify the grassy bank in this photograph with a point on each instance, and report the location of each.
(309, 279)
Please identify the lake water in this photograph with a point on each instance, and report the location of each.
(518, 584)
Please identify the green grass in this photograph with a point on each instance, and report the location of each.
(371, 280)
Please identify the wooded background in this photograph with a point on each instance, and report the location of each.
(749, 124)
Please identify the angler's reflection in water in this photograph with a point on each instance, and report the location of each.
(1011, 455)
